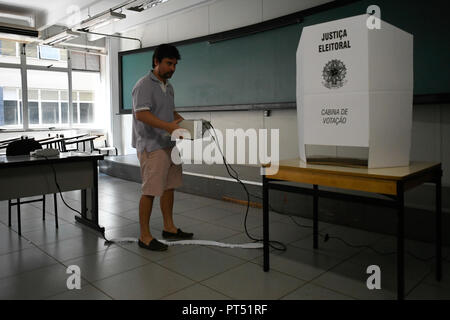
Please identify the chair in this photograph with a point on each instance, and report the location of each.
(18, 148)
(102, 141)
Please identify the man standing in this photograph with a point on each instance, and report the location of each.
(154, 120)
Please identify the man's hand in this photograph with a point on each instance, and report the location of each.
(172, 126)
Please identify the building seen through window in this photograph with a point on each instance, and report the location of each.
(47, 91)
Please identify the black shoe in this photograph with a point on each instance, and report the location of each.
(154, 245)
(180, 235)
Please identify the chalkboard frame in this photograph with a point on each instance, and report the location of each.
(286, 20)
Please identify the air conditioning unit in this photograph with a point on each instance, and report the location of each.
(18, 33)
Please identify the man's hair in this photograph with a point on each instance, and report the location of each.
(165, 51)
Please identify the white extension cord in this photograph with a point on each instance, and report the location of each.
(250, 245)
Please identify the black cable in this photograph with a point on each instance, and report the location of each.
(62, 198)
(282, 246)
(327, 237)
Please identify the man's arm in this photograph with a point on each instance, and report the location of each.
(149, 118)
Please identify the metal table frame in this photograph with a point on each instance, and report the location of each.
(28, 176)
(396, 201)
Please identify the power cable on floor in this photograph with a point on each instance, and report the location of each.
(277, 245)
(326, 237)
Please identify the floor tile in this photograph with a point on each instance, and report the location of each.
(249, 281)
(207, 231)
(196, 292)
(37, 224)
(23, 261)
(313, 292)
(75, 247)
(426, 291)
(27, 212)
(415, 270)
(332, 247)
(117, 206)
(200, 263)
(444, 282)
(181, 195)
(10, 241)
(207, 214)
(156, 255)
(148, 282)
(283, 232)
(131, 230)
(300, 263)
(107, 263)
(109, 220)
(50, 234)
(351, 279)
(87, 292)
(245, 254)
(186, 205)
(180, 221)
(38, 284)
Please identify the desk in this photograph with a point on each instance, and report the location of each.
(25, 176)
(389, 182)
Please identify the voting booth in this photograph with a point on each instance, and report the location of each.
(355, 93)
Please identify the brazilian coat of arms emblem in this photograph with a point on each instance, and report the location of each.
(333, 74)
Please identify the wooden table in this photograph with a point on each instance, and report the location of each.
(389, 182)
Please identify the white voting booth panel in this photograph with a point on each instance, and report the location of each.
(354, 92)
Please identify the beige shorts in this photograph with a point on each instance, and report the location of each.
(158, 172)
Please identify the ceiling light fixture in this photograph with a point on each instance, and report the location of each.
(100, 20)
(147, 4)
(61, 37)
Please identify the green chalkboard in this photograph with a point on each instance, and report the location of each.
(260, 68)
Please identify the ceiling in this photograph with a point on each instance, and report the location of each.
(70, 12)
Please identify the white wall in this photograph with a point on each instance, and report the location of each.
(431, 123)
(210, 18)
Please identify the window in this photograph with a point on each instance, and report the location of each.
(85, 61)
(10, 82)
(84, 97)
(9, 51)
(47, 89)
(46, 56)
(64, 99)
(48, 98)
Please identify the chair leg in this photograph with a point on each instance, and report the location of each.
(43, 207)
(9, 212)
(18, 218)
(56, 209)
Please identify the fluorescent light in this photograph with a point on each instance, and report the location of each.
(147, 4)
(101, 20)
(61, 37)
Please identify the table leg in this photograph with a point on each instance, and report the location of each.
(90, 220)
(400, 242)
(19, 224)
(438, 230)
(316, 217)
(266, 223)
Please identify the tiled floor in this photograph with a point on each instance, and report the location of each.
(34, 266)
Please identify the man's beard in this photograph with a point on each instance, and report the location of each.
(166, 75)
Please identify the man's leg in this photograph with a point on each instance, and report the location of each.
(166, 203)
(145, 210)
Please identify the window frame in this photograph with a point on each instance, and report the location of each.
(23, 120)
